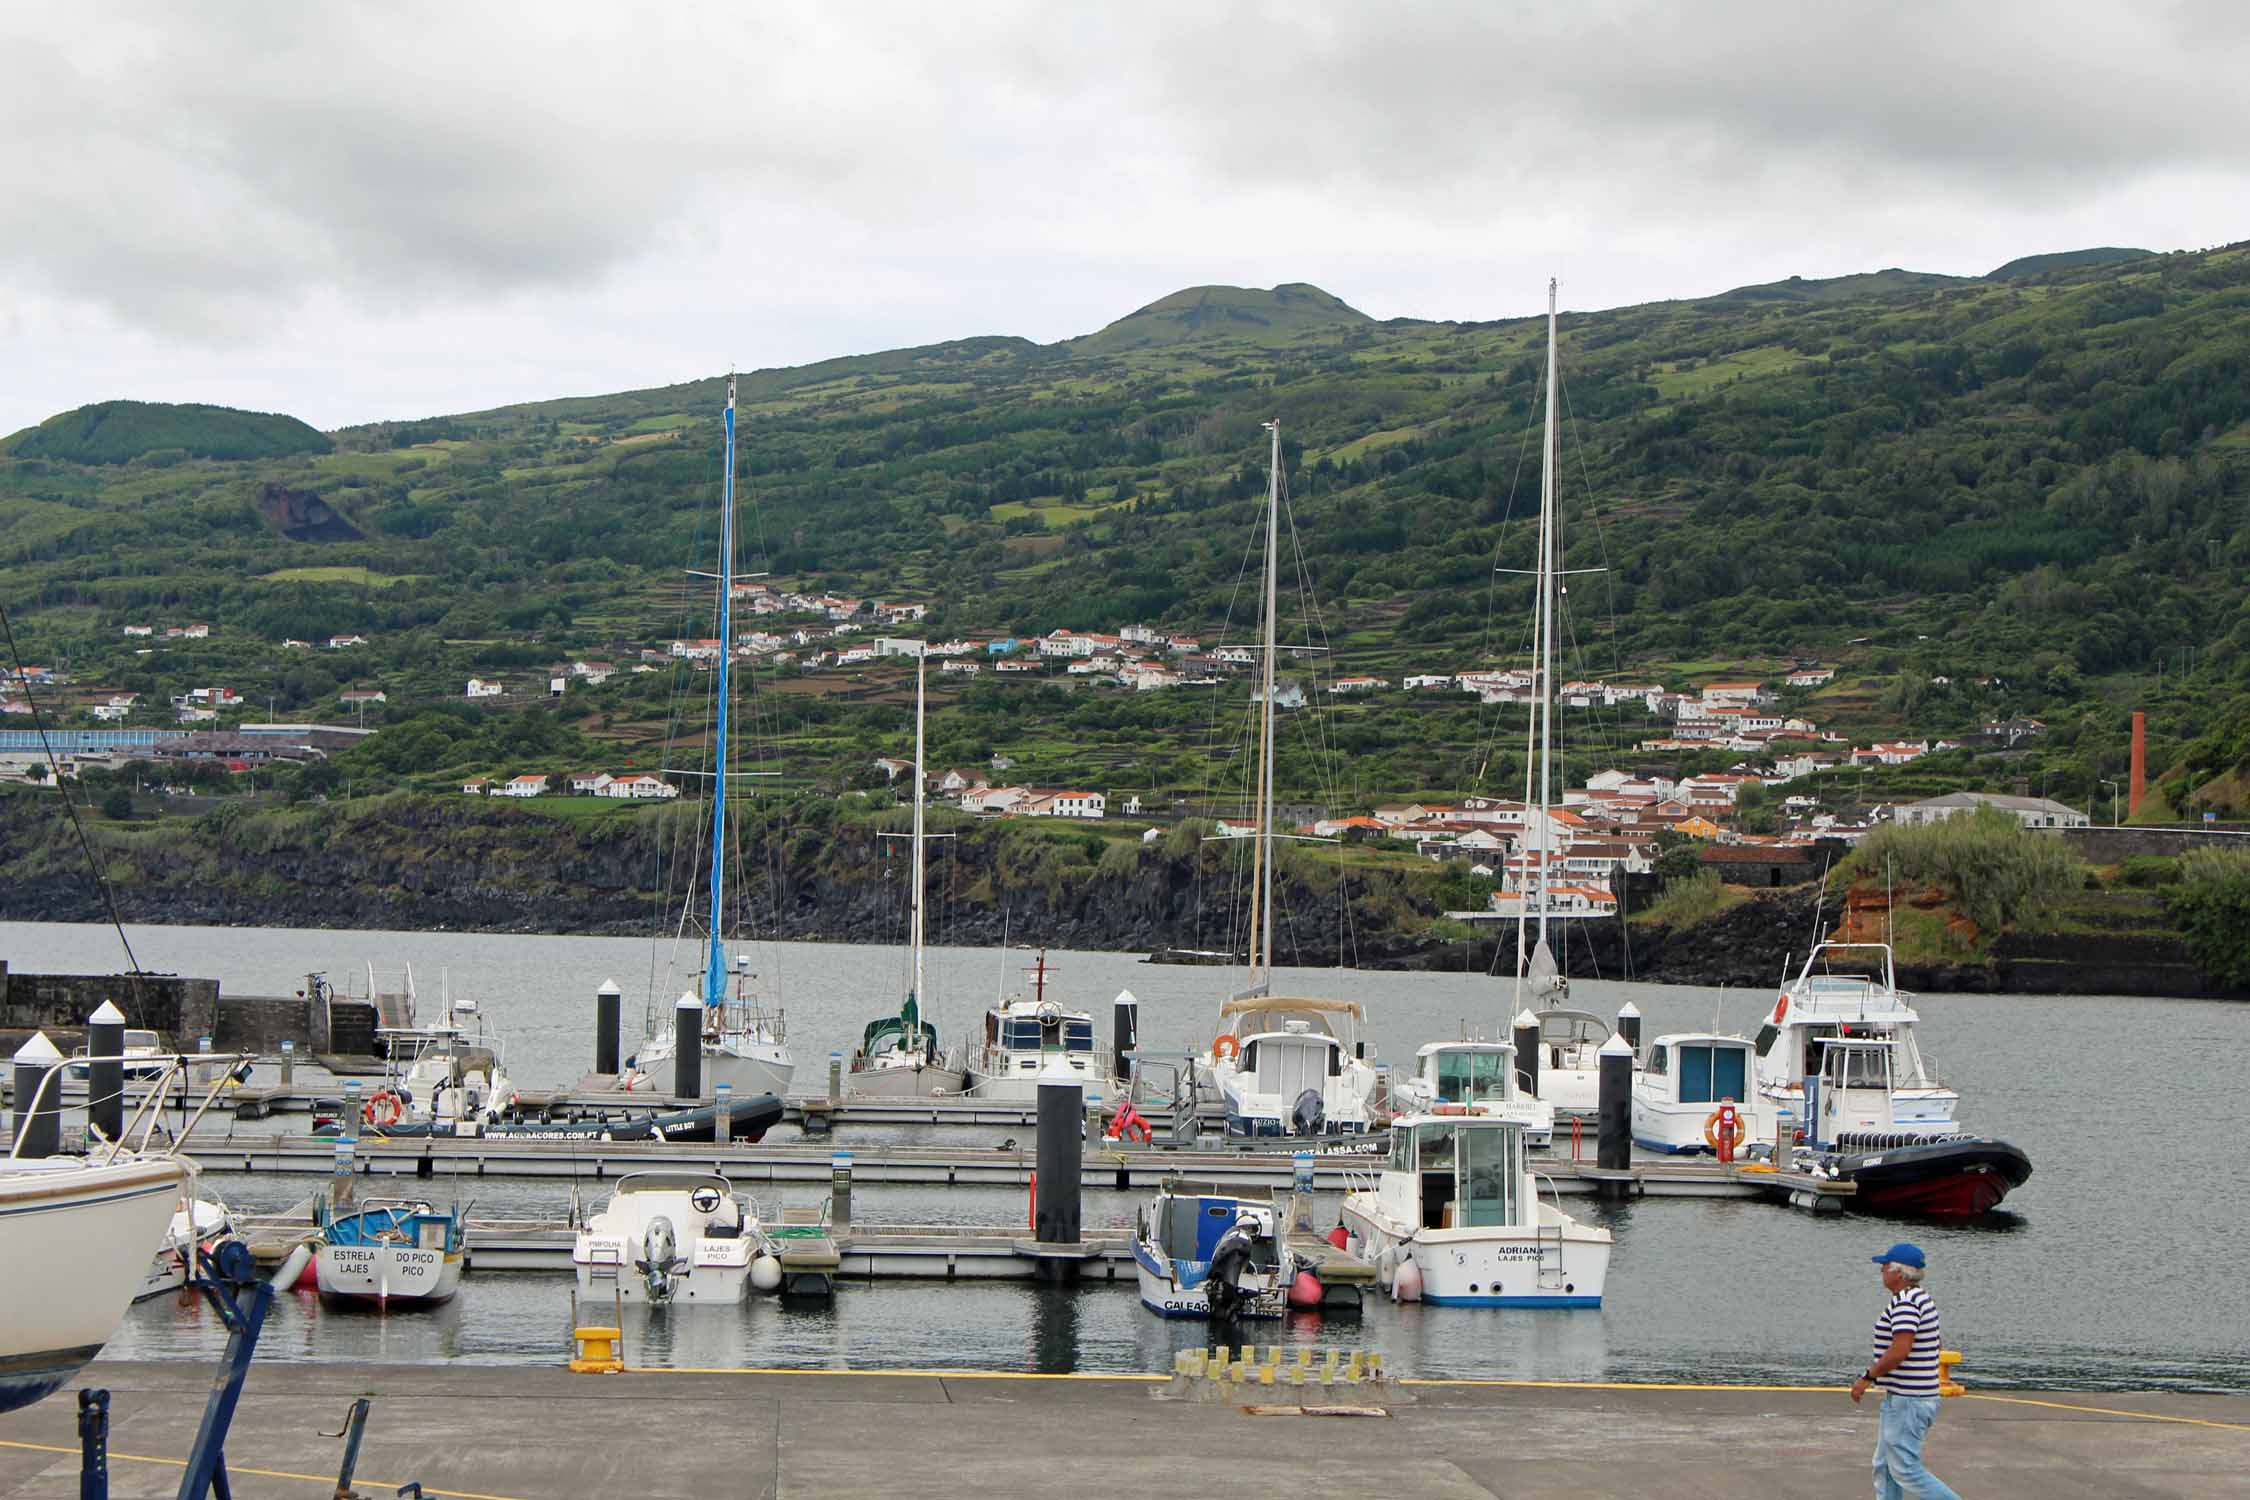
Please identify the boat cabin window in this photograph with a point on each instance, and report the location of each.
(136, 1038)
(1464, 1077)
(1709, 1073)
(1025, 1034)
(1469, 1170)
(1857, 1067)
(1659, 1062)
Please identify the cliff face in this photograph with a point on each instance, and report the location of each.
(445, 863)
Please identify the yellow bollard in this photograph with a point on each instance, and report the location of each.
(1357, 1369)
(598, 1351)
(1947, 1385)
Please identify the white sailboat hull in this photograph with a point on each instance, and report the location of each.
(904, 1082)
(746, 1067)
(76, 1242)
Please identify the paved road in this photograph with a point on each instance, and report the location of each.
(532, 1434)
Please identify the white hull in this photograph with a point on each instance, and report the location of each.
(1919, 1109)
(1558, 1263)
(703, 1240)
(748, 1068)
(904, 1082)
(1024, 1086)
(386, 1273)
(75, 1242)
(1159, 1294)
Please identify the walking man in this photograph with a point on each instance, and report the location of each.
(1906, 1368)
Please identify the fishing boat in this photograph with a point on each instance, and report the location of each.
(1690, 1086)
(898, 1055)
(744, 1040)
(669, 1237)
(198, 1225)
(1455, 1217)
(389, 1251)
(1848, 990)
(1474, 1072)
(1203, 1251)
(1896, 1167)
(1283, 1065)
(76, 1236)
(1022, 1034)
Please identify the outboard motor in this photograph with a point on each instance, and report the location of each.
(1230, 1262)
(1310, 1115)
(660, 1251)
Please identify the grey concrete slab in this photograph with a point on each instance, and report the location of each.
(517, 1433)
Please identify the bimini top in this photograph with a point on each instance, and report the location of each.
(1266, 1015)
(1249, 1003)
(673, 1180)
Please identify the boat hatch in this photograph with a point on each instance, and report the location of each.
(1707, 1071)
(1469, 1168)
(1289, 1065)
(1465, 1077)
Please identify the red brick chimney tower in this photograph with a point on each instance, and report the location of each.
(2139, 784)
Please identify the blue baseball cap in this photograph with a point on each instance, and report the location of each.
(1903, 1254)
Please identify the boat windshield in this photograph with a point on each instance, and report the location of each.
(1024, 1034)
(1470, 1169)
(1464, 1077)
(1859, 1065)
(1571, 1027)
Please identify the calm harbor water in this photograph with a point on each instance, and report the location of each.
(2120, 1263)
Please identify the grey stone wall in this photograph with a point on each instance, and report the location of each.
(182, 1009)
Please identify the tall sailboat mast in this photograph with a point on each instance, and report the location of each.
(921, 678)
(715, 959)
(1548, 453)
(1261, 907)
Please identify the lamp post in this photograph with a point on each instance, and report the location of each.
(2105, 781)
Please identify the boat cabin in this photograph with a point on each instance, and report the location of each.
(1466, 1072)
(1571, 1038)
(1455, 1171)
(1021, 1026)
(1188, 1219)
(1699, 1069)
(1851, 1093)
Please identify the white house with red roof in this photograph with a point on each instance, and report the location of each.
(640, 786)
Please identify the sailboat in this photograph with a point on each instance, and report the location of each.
(1283, 1065)
(744, 1043)
(898, 1055)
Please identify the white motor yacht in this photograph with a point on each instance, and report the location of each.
(1569, 1073)
(1021, 1035)
(1287, 1066)
(1458, 1205)
(670, 1237)
(1848, 990)
(1474, 1072)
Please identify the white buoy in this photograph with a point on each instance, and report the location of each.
(1406, 1282)
(765, 1273)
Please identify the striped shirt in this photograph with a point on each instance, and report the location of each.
(1918, 1376)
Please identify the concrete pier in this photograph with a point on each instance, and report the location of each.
(503, 1433)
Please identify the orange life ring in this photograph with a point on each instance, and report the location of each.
(384, 1109)
(1781, 1007)
(1226, 1046)
(1711, 1128)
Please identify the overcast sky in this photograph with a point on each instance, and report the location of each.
(351, 212)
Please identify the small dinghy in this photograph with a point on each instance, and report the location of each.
(1204, 1252)
(389, 1251)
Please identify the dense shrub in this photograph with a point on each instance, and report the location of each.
(2211, 904)
(1996, 870)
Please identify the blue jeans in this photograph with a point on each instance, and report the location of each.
(1905, 1422)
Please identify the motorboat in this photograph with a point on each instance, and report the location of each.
(145, 1055)
(1567, 1074)
(1203, 1251)
(1895, 1166)
(672, 1237)
(1687, 1089)
(898, 1055)
(76, 1236)
(1291, 1066)
(1022, 1035)
(1848, 990)
(1478, 1073)
(744, 1038)
(1455, 1217)
(454, 1078)
(198, 1225)
(388, 1251)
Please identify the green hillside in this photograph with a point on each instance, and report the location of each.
(1856, 288)
(1976, 498)
(2064, 260)
(119, 432)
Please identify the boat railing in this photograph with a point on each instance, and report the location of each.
(148, 1111)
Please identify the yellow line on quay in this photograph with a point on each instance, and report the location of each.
(234, 1468)
(2111, 1411)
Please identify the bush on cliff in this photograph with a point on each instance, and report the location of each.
(2211, 904)
(1998, 872)
(1689, 899)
